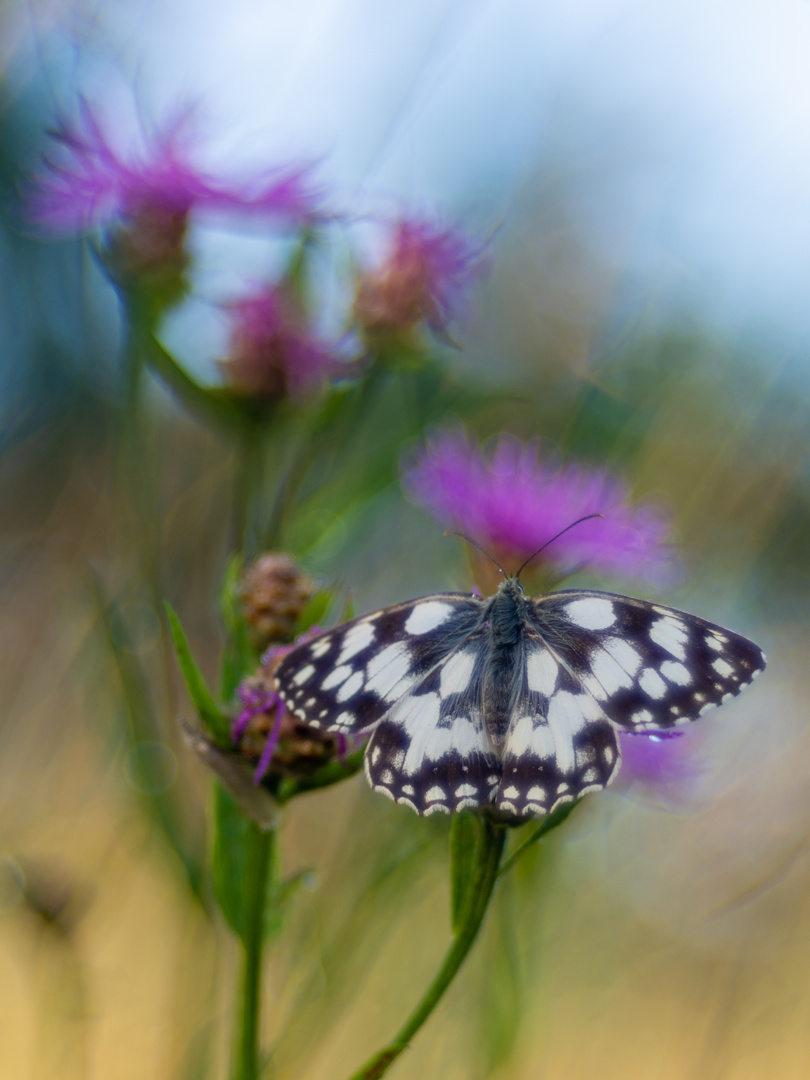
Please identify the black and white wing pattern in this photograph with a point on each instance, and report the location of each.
(510, 701)
(596, 664)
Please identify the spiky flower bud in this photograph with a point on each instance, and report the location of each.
(274, 592)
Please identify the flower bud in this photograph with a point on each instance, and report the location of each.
(274, 593)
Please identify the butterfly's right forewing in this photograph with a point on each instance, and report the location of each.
(347, 679)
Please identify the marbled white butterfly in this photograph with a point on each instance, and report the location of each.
(510, 700)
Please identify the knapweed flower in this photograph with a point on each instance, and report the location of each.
(422, 278)
(510, 501)
(265, 732)
(146, 197)
(272, 353)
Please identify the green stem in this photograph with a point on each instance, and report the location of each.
(482, 883)
(257, 863)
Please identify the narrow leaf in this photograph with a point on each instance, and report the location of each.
(207, 708)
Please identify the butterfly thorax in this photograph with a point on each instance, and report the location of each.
(506, 615)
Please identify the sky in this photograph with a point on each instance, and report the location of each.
(683, 126)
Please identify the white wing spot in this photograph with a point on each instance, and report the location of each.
(427, 616)
(623, 653)
(670, 635)
(536, 792)
(541, 671)
(591, 613)
(643, 716)
(511, 792)
(707, 706)
(302, 675)
(722, 667)
(466, 789)
(409, 789)
(435, 793)
(386, 669)
(336, 677)
(456, 672)
(355, 641)
(652, 683)
(320, 648)
(350, 687)
(609, 673)
(675, 672)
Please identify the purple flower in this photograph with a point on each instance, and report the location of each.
(422, 278)
(90, 182)
(662, 759)
(272, 353)
(510, 501)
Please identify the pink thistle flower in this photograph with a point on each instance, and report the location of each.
(92, 183)
(510, 501)
(272, 353)
(422, 278)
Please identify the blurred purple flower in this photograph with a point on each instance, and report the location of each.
(92, 183)
(422, 278)
(268, 733)
(663, 759)
(272, 353)
(510, 501)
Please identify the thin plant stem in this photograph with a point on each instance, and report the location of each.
(257, 865)
(483, 881)
(546, 825)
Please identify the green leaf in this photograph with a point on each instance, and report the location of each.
(215, 721)
(239, 658)
(465, 842)
(314, 611)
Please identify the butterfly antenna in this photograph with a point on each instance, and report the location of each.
(472, 543)
(551, 541)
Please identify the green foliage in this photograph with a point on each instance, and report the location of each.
(239, 658)
(209, 712)
(466, 838)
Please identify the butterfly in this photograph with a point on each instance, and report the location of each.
(510, 701)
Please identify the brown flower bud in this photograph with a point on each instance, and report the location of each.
(274, 593)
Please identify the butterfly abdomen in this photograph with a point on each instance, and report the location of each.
(503, 669)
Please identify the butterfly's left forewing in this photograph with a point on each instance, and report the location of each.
(649, 667)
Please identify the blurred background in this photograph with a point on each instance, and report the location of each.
(644, 170)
